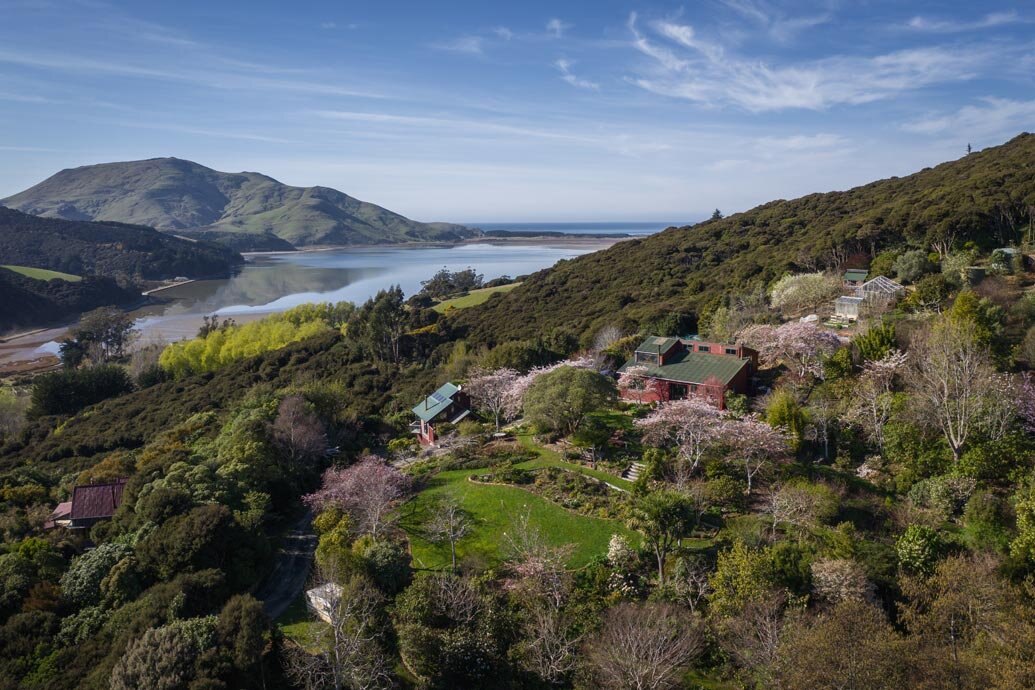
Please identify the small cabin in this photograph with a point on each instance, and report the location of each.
(90, 504)
(855, 277)
(667, 368)
(448, 404)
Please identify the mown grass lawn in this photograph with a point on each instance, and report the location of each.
(551, 458)
(495, 510)
(42, 273)
(472, 298)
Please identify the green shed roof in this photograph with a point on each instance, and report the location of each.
(856, 274)
(437, 402)
(694, 367)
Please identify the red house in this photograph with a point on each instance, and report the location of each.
(90, 504)
(664, 368)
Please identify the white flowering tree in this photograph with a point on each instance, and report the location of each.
(872, 397)
(803, 347)
(493, 392)
(689, 426)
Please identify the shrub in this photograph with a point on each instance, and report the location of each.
(67, 392)
(911, 266)
(918, 549)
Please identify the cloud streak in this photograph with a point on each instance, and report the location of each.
(706, 74)
(989, 21)
(564, 67)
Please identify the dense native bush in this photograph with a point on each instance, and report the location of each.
(67, 392)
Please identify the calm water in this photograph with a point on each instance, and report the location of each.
(275, 282)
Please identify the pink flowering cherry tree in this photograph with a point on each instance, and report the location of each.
(367, 490)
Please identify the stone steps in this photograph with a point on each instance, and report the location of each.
(632, 473)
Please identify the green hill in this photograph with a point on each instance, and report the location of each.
(987, 198)
(177, 195)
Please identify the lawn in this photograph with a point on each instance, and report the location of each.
(472, 298)
(551, 458)
(42, 273)
(495, 510)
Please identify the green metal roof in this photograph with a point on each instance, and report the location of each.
(656, 342)
(694, 367)
(437, 402)
(856, 274)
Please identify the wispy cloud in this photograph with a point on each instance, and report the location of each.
(706, 74)
(989, 21)
(239, 75)
(556, 28)
(992, 118)
(564, 67)
(773, 21)
(471, 45)
(503, 32)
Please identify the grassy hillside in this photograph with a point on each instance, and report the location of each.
(43, 274)
(174, 194)
(472, 298)
(986, 197)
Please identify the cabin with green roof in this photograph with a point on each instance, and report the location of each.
(448, 404)
(854, 277)
(669, 368)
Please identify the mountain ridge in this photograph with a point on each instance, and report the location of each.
(177, 195)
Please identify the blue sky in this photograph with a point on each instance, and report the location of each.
(482, 111)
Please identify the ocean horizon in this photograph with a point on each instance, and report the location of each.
(577, 228)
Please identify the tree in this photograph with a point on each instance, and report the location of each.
(67, 392)
(380, 323)
(493, 392)
(664, 517)
(348, 652)
(449, 524)
(741, 577)
(561, 399)
(162, 659)
(802, 346)
(644, 646)
(367, 491)
(872, 400)
(797, 293)
(784, 413)
(102, 335)
(918, 549)
(912, 265)
(691, 426)
(964, 598)
(754, 445)
(716, 215)
(852, 647)
(954, 383)
(1026, 402)
(241, 629)
(299, 431)
(840, 579)
(81, 584)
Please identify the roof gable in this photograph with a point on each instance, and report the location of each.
(96, 500)
(437, 402)
(657, 343)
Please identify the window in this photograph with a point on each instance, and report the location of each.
(703, 348)
(731, 350)
(646, 358)
(693, 387)
(677, 391)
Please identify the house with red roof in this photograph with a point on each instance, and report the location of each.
(90, 504)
